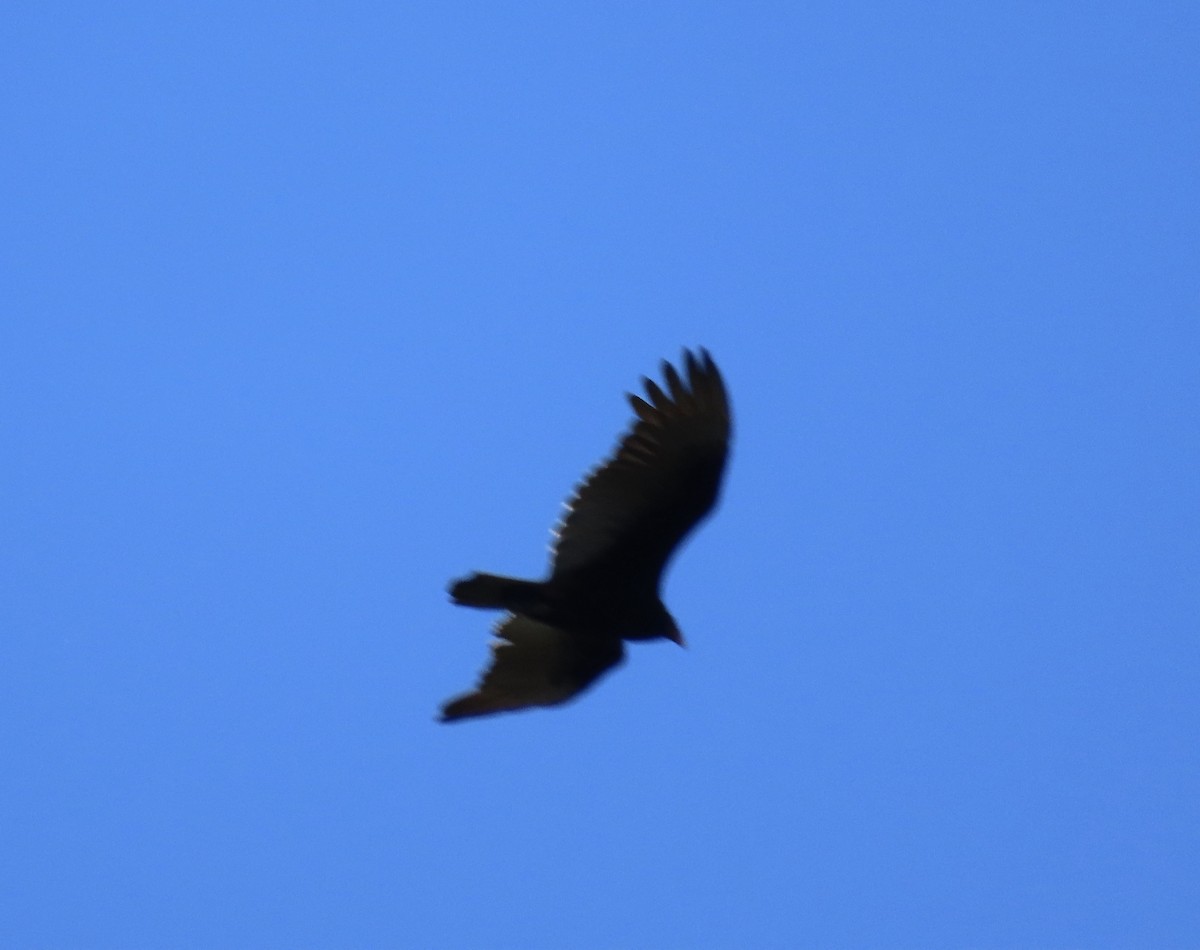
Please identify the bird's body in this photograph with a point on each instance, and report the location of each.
(595, 603)
(622, 526)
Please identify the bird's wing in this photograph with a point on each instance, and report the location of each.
(663, 477)
(534, 664)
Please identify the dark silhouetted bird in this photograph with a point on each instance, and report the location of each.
(621, 527)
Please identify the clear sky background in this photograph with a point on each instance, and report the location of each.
(309, 308)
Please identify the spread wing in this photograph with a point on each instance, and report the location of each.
(534, 664)
(664, 476)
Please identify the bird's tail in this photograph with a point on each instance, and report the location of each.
(492, 590)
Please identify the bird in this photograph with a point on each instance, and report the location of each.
(623, 523)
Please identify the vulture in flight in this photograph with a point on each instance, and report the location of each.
(623, 523)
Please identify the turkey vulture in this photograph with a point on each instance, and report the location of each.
(620, 529)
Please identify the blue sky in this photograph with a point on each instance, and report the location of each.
(311, 308)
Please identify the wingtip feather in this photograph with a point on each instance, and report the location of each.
(657, 397)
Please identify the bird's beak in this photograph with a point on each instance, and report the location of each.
(675, 635)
